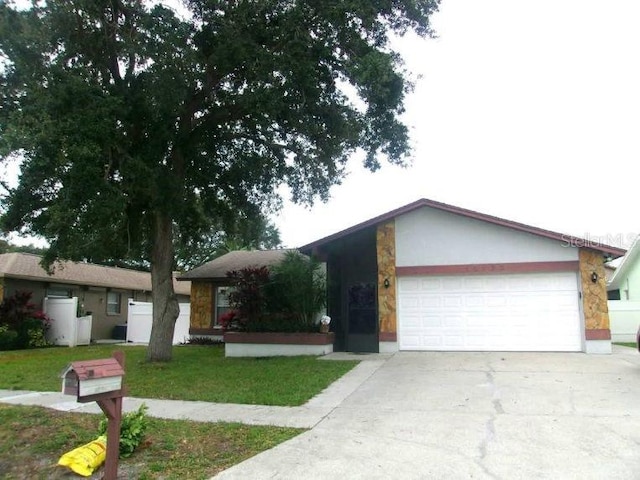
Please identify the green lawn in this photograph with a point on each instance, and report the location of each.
(196, 373)
(32, 439)
(626, 344)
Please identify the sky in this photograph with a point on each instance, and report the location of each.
(525, 109)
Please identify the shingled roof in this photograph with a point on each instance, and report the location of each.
(236, 260)
(100, 368)
(26, 266)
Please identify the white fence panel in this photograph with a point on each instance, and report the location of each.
(624, 319)
(140, 318)
(66, 328)
(84, 330)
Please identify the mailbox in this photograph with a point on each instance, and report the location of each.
(92, 377)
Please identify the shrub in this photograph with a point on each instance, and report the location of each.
(7, 337)
(22, 325)
(248, 297)
(200, 340)
(297, 290)
(229, 320)
(287, 299)
(132, 429)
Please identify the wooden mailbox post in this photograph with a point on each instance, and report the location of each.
(100, 381)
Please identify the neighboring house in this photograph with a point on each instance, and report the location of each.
(624, 284)
(210, 286)
(431, 276)
(609, 270)
(102, 291)
(623, 291)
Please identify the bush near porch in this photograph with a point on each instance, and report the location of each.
(287, 298)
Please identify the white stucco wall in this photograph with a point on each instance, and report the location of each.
(624, 320)
(429, 236)
(274, 350)
(630, 286)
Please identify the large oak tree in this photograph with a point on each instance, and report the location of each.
(139, 125)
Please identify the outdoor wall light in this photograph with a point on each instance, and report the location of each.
(594, 277)
(386, 283)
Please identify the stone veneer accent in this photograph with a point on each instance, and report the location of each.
(594, 295)
(386, 253)
(201, 304)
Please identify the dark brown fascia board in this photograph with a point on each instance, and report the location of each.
(204, 279)
(423, 202)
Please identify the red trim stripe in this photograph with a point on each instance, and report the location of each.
(388, 337)
(489, 268)
(598, 334)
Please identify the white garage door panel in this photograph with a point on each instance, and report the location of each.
(534, 312)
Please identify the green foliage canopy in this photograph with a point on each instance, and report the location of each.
(138, 126)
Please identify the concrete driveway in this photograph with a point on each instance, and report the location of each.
(474, 415)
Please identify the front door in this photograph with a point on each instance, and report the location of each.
(362, 318)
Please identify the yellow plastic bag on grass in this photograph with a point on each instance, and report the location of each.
(85, 459)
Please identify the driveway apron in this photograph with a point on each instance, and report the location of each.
(474, 416)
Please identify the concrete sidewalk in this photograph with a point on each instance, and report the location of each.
(305, 416)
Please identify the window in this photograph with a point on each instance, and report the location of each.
(58, 292)
(613, 294)
(222, 303)
(113, 303)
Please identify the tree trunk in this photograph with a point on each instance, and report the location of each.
(165, 303)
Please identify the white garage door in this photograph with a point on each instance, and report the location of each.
(519, 312)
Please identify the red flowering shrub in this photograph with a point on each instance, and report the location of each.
(22, 324)
(229, 320)
(248, 297)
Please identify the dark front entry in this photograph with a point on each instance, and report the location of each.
(352, 274)
(362, 318)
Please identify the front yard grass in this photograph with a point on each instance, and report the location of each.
(626, 344)
(32, 439)
(196, 373)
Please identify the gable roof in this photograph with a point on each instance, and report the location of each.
(236, 260)
(26, 266)
(423, 202)
(93, 369)
(628, 262)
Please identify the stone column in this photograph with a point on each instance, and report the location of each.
(386, 254)
(594, 302)
(201, 305)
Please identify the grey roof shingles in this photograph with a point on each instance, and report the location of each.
(235, 260)
(26, 266)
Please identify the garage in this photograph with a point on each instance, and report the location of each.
(517, 312)
(442, 277)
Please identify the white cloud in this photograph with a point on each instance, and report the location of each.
(529, 110)
(525, 110)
